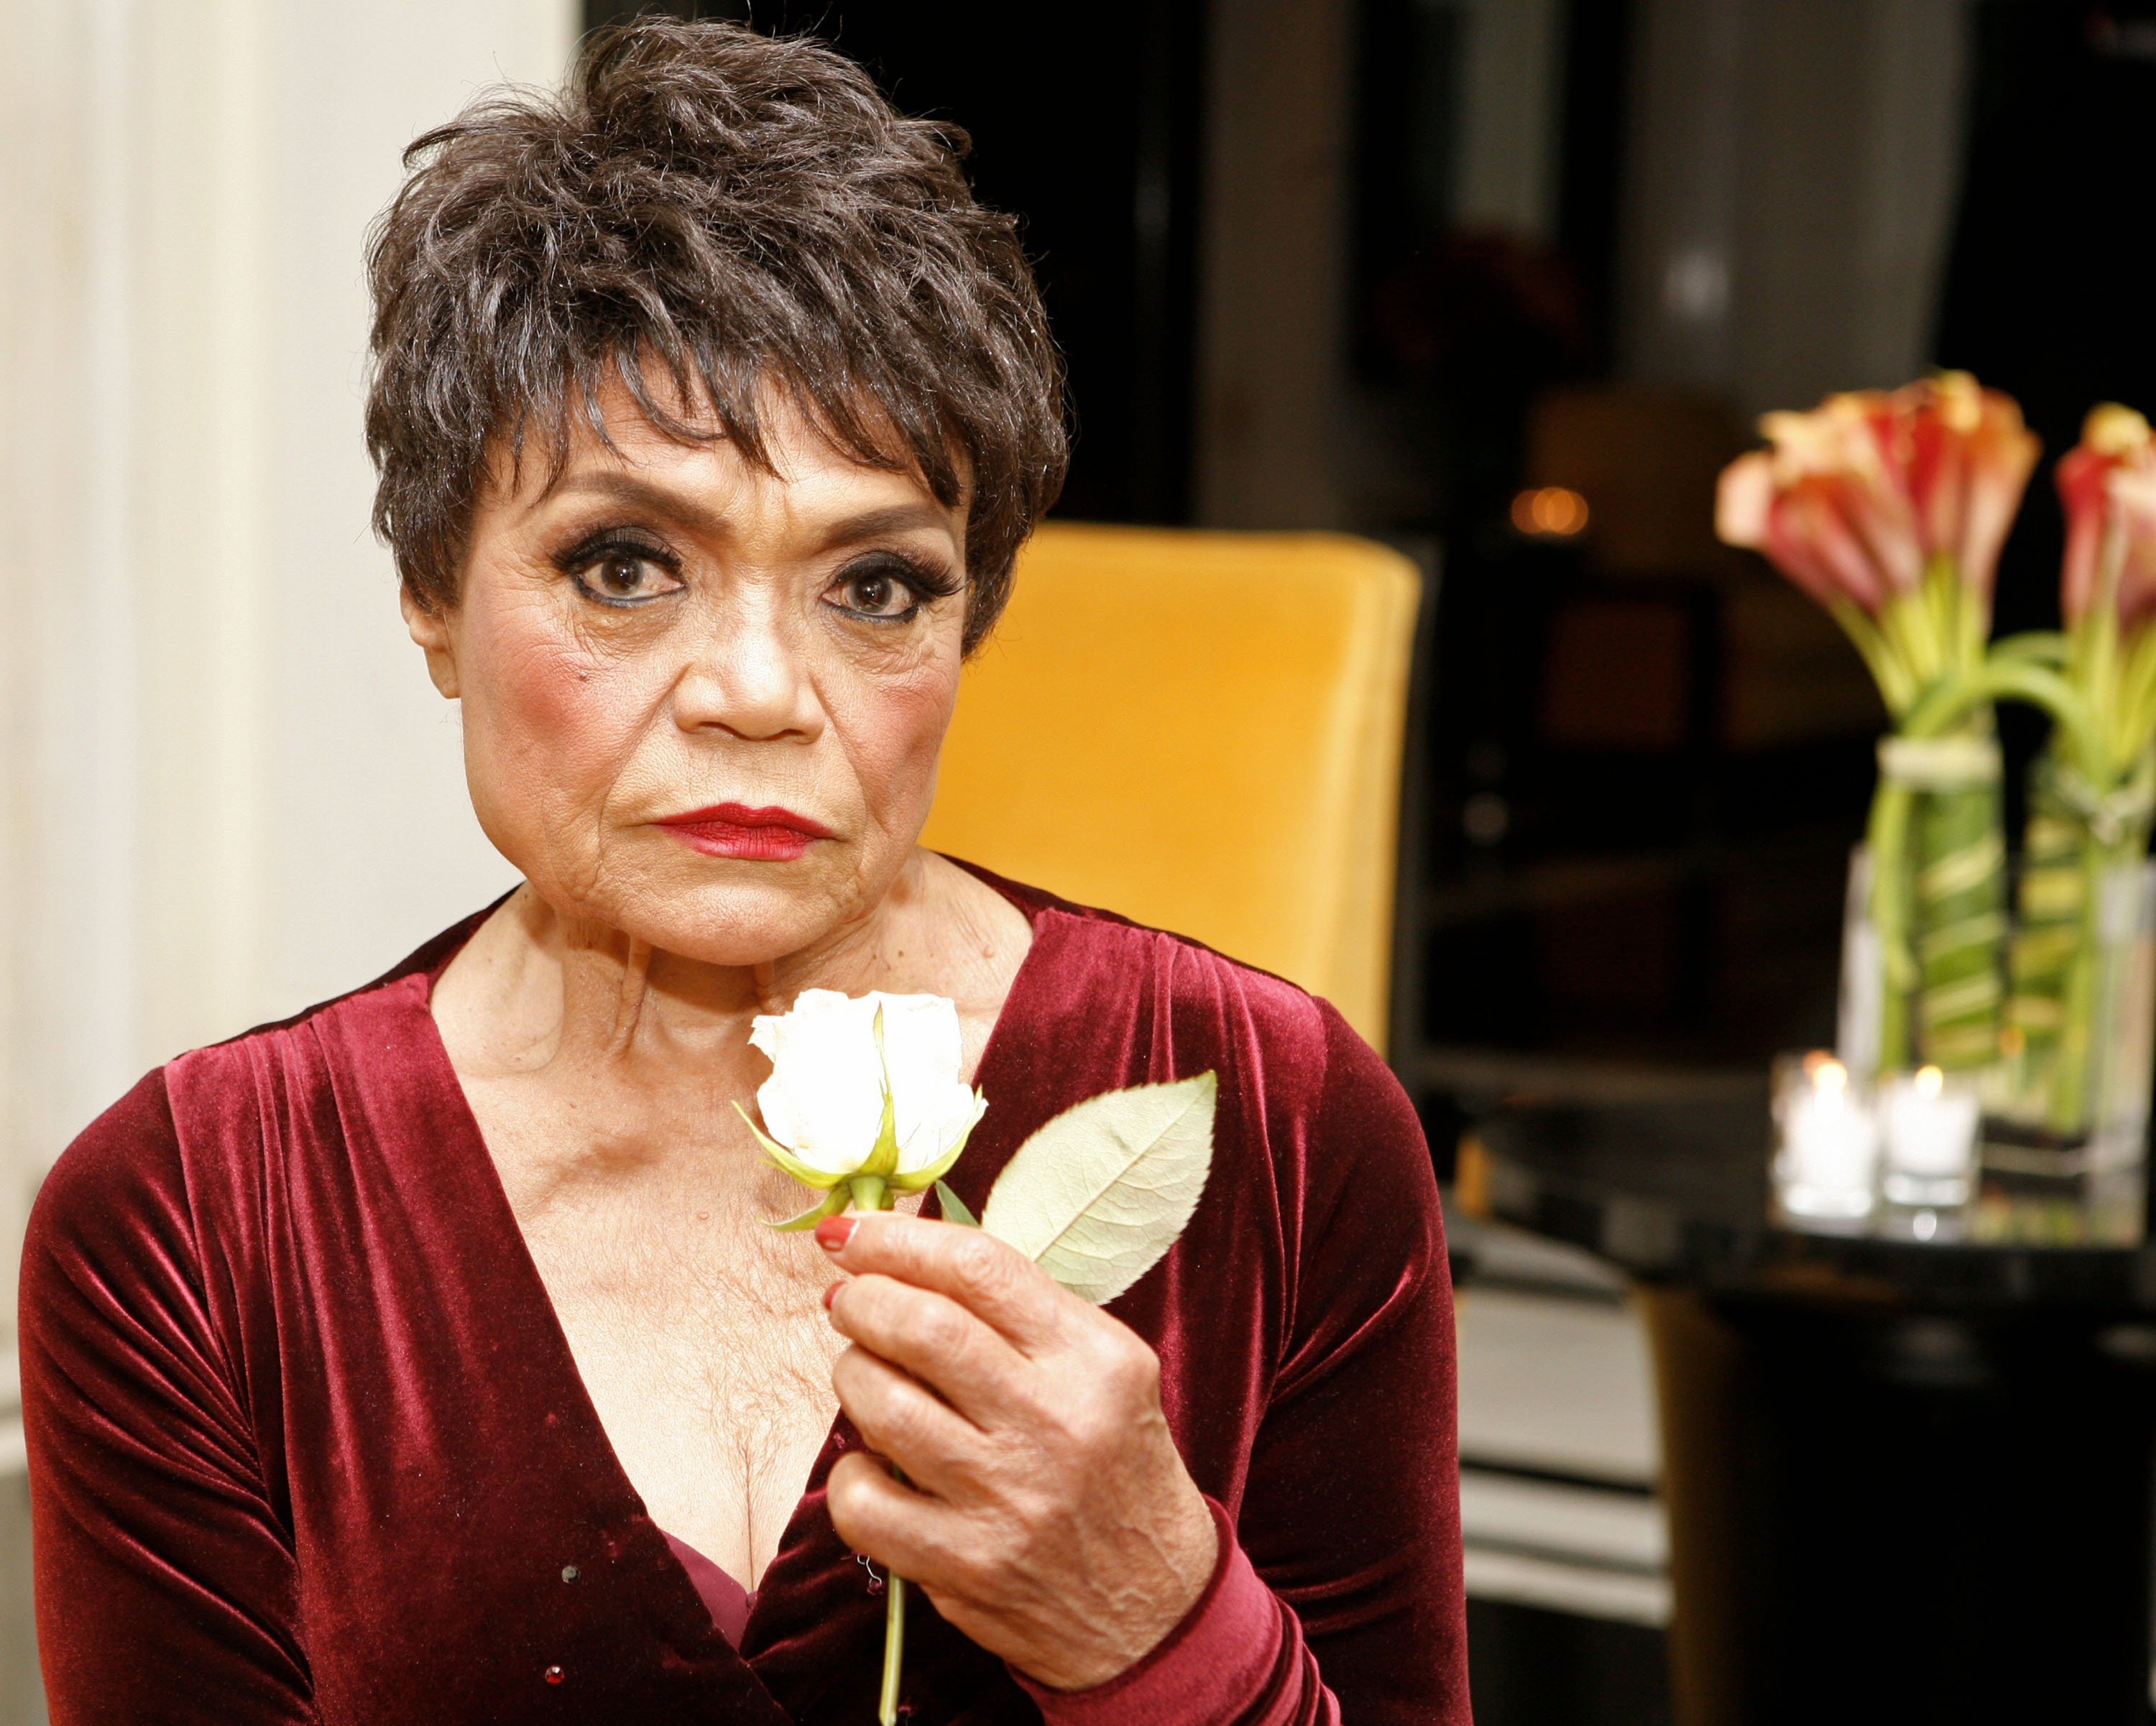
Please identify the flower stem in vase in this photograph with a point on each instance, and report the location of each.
(1939, 898)
(2068, 1111)
(1959, 919)
(2112, 843)
(1887, 841)
(2048, 932)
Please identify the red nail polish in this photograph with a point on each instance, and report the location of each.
(830, 1294)
(833, 1233)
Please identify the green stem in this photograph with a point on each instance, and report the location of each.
(2069, 1109)
(871, 1192)
(1888, 843)
(894, 1646)
(2047, 933)
(1957, 914)
(1906, 626)
(1894, 688)
(2065, 974)
(2136, 719)
(2040, 646)
(1946, 704)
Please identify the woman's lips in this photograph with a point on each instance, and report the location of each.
(736, 830)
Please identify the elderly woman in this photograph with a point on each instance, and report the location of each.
(427, 1358)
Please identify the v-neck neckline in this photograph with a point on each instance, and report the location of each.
(518, 1264)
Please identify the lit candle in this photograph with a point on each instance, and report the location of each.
(1829, 1143)
(1930, 1129)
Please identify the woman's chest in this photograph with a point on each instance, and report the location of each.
(700, 1335)
(717, 1320)
(697, 1332)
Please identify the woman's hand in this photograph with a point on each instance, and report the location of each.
(1045, 1510)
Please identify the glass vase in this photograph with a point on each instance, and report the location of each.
(2074, 1084)
(1923, 949)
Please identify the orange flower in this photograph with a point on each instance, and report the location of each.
(1823, 502)
(1970, 458)
(2108, 484)
(1853, 500)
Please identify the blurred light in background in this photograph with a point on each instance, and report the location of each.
(1550, 512)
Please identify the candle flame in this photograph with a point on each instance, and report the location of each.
(1930, 1081)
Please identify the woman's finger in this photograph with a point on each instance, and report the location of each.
(902, 1529)
(971, 1366)
(901, 1419)
(1001, 1286)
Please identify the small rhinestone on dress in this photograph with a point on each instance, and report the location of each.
(555, 1675)
(570, 1573)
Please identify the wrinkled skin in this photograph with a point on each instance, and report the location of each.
(659, 628)
(1044, 1508)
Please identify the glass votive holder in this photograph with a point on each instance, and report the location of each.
(1826, 1142)
(1928, 1131)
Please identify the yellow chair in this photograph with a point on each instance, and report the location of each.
(1203, 732)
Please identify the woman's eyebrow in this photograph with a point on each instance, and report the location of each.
(874, 524)
(628, 489)
(663, 500)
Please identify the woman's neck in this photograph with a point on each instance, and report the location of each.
(539, 987)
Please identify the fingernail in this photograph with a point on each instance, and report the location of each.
(830, 1294)
(833, 1233)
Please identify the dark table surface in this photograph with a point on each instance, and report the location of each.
(1673, 1187)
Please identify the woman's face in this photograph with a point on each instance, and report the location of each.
(702, 703)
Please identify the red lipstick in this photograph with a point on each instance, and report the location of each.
(737, 831)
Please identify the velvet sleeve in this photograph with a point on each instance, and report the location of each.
(1338, 1595)
(1352, 1511)
(166, 1585)
(1237, 1659)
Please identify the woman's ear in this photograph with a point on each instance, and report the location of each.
(430, 628)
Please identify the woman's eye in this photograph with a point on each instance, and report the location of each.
(875, 593)
(622, 577)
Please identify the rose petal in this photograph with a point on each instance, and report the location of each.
(824, 1100)
(947, 1120)
(922, 1047)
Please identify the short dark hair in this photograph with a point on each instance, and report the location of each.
(741, 213)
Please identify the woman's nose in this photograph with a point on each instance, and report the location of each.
(748, 678)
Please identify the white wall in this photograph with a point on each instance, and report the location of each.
(226, 787)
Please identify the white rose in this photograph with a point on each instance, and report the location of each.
(864, 1096)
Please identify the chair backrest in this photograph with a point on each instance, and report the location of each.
(1203, 732)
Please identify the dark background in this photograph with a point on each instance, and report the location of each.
(1643, 762)
(1613, 870)
(1086, 121)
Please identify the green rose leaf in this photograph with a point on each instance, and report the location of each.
(1098, 1195)
(955, 1209)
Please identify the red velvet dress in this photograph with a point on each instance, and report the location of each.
(307, 1443)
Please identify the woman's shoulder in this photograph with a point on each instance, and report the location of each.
(204, 1119)
(1319, 1156)
(1099, 975)
(1180, 965)
(121, 1170)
